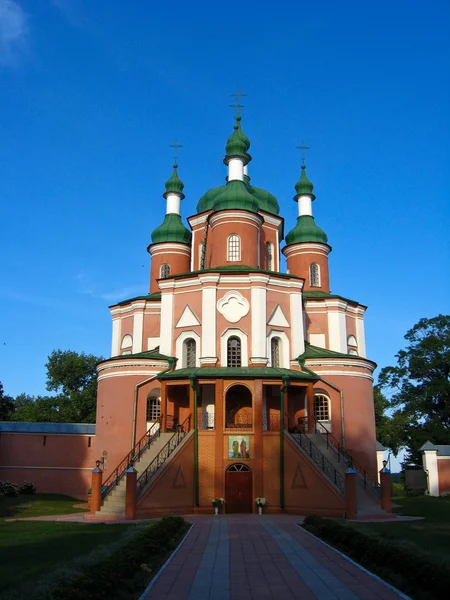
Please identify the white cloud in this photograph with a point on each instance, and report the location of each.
(13, 31)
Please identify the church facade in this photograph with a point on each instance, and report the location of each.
(231, 378)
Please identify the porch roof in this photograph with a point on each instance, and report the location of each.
(238, 373)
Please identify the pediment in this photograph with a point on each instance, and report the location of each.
(277, 318)
(187, 319)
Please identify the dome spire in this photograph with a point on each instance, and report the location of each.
(174, 186)
(237, 145)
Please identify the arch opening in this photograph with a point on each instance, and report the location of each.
(238, 408)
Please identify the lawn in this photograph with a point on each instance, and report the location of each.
(430, 535)
(30, 549)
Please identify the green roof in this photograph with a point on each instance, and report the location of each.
(238, 372)
(154, 354)
(238, 143)
(265, 200)
(316, 352)
(174, 185)
(312, 295)
(171, 230)
(236, 196)
(304, 187)
(155, 296)
(306, 230)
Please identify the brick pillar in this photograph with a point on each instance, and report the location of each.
(351, 505)
(310, 401)
(257, 452)
(163, 406)
(385, 483)
(219, 489)
(96, 490)
(130, 494)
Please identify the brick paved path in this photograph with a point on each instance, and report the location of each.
(251, 557)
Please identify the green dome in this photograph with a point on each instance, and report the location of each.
(266, 200)
(306, 230)
(171, 230)
(207, 200)
(174, 185)
(238, 143)
(237, 196)
(304, 187)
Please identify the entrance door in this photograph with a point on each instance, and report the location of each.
(238, 489)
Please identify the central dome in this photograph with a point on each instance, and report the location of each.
(264, 199)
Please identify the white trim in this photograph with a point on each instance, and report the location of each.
(153, 342)
(346, 373)
(188, 318)
(342, 361)
(138, 331)
(173, 203)
(179, 348)
(146, 373)
(360, 336)
(126, 343)
(115, 346)
(429, 460)
(235, 169)
(165, 246)
(337, 331)
(166, 331)
(223, 346)
(259, 317)
(278, 318)
(209, 296)
(318, 339)
(285, 360)
(305, 206)
(297, 331)
(237, 216)
(233, 306)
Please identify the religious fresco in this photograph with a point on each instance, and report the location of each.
(239, 446)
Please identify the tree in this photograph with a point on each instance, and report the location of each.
(420, 386)
(73, 377)
(6, 404)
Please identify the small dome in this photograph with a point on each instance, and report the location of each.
(238, 143)
(304, 187)
(236, 196)
(171, 230)
(174, 185)
(306, 230)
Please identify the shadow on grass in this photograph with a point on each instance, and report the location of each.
(37, 505)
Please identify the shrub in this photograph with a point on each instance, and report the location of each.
(11, 490)
(413, 573)
(27, 487)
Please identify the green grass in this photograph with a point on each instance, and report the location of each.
(432, 535)
(37, 505)
(30, 549)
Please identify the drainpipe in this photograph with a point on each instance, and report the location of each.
(171, 362)
(335, 387)
(283, 388)
(196, 486)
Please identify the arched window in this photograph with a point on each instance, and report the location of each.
(234, 352)
(234, 248)
(190, 353)
(321, 407)
(269, 256)
(165, 271)
(352, 345)
(153, 408)
(275, 352)
(314, 275)
(127, 342)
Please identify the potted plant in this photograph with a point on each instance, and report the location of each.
(217, 503)
(260, 503)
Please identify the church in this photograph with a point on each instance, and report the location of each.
(231, 378)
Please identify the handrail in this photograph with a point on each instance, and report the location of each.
(326, 466)
(132, 456)
(346, 457)
(163, 454)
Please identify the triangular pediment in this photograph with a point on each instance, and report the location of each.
(187, 319)
(277, 318)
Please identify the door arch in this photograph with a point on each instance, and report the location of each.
(238, 489)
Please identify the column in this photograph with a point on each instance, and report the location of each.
(297, 331)
(138, 330)
(209, 297)
(165, 346)
(115, 347)
(219, 443)
(259, 320)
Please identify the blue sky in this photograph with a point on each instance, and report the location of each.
(93, 93)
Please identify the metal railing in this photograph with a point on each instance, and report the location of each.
(163, 454)
(240, 418)
(346, 458)
(205, 421)
(326, 466)
(113, 480)
(271, 422)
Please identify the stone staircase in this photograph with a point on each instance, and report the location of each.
(113, 505)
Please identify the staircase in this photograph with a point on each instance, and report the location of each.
(113, 504)
(333, 461)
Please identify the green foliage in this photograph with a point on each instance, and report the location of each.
(420, 387)
(27, 487)
(6, 405)
(413, 573)
(74, 379)
(37, 505)
(8, 489)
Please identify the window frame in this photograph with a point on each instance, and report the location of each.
(238, 357)
(234, 248)
(318, 409)
(164, 271)
(314, 275)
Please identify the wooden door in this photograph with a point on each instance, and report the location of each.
(238, 489)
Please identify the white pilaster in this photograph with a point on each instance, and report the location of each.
(115, 346)
(209, 298)
(235, 169)
(429, 459)
(304, 206)
(360, 337)
(297, 331)
(138, 330)
(165, 346)
(173, 202)
(259, 318)
(337, 331)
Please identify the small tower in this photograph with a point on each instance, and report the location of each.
(307, 248)
(170, 249)
(235, 222)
